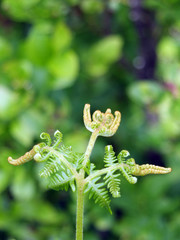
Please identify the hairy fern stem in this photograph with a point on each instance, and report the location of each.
(90, 146)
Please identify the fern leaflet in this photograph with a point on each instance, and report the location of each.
(109, 157)
(113, 182)
(99, 194)
(52, 166)
(61, 181)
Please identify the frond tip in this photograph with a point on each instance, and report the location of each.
(145, 169)
(26, 157)
(112, 180)
(109, 157)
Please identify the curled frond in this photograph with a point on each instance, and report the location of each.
(44, 153)
(145, 169)
(105, 123)
(125, 165)
(127, 174)
(122, 156)
(131, 162)
(46, 137)
(26, 157)
(98, 193)
(58, 138)
(58, 135)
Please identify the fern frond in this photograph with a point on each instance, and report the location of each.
(90, 168)
(77, 159)
(98, 193)
(52, 166)
(66, 151)
(112, 180)
(109, 157)
(62, 181)
(73, 157)
(113, 183)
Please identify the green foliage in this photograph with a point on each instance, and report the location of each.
(145, 92)
(102, 54)
(5, 49)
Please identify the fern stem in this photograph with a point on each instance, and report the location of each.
(80, 209)
(90, 146)
(103, 171)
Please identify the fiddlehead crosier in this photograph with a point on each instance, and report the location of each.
(26, 157)
(145, 169)
(105, 123)
(45, 153)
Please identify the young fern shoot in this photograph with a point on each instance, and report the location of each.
(65, 168)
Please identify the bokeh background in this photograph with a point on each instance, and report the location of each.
(57, 55)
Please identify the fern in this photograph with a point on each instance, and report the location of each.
(99, 194)
(64, 168)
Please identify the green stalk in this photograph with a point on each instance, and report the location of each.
(80, 209)
(90, 146)
(80, 182)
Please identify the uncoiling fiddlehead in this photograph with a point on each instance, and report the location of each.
(105, 123)
(26, 157)
(142, 170)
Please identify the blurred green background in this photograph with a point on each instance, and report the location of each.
(57, 55)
